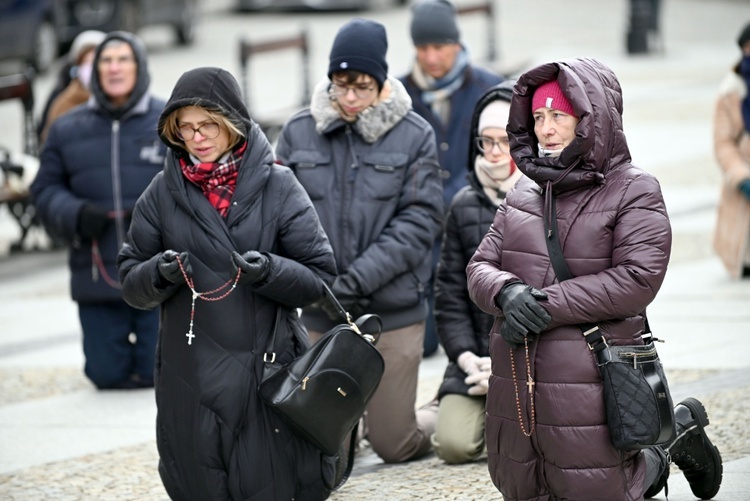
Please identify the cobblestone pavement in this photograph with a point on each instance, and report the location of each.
(130, 473)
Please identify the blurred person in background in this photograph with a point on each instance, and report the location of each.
(444, 87)
(370, 166)
(547, 433)
(222, 217)
(96, 162)
(732, 149)
(78, 90)
(462, 327)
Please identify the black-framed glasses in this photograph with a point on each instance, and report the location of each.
(208, 130)
(360, 92)
(485, 144)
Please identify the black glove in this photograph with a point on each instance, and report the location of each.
(254, 265)
(346, 290)
(169, 268)
(523, 313)
(512, 336)
(92, 221)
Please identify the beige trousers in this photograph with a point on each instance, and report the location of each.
(396, 431)
(460, 429)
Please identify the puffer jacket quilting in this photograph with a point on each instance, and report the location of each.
(616, 239)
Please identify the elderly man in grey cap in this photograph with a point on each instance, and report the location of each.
(444, 87)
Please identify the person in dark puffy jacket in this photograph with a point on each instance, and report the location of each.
(547, 434)
(223, 239)
(444, 86)
(370, 165)
(97, 160)
(464, 328)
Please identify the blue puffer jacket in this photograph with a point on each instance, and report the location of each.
(453, 141)
(376, 187)
(105, 156)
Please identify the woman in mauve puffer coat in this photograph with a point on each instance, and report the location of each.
(616, 239)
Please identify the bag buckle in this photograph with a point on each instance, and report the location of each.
(272, 360)
(591, 331)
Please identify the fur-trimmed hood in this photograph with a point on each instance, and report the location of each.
(373, 122)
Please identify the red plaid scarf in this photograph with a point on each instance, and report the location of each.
(217, 180)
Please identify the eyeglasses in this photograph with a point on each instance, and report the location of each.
(360, 92)
(208, 130)
(485, 144)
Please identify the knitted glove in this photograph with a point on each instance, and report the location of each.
(92, 221)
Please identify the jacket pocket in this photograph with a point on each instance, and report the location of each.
(313, 169)
(382, 175)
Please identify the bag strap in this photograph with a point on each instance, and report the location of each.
(591, 333)
(269, 356)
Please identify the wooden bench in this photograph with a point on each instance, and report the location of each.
(271, 123)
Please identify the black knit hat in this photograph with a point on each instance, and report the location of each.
(434, 21)
(360, 45)
(744, 36)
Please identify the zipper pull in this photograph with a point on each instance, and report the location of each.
(304, 383)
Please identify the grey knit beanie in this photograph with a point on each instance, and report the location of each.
(434, 21)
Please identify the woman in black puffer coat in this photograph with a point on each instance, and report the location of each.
(221, 213)
(462, 327)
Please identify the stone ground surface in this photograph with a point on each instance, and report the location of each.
(704, 316)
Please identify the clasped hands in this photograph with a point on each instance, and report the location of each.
(478, 370)
(253, 266)
(524, 316)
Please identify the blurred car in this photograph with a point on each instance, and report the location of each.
(250, 5)
(35, 32)
(28, 32)
(130, 15)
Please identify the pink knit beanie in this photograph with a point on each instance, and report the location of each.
(550, 95)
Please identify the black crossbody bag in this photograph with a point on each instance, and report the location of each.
(637, 401)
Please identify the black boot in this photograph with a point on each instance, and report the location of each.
(693, 452)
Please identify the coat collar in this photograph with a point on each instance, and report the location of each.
(371, 124)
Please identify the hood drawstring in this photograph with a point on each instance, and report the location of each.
(549, 202)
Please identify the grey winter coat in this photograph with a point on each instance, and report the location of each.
(105, 156)
(216, 438)
(616, 239)
(376, 187)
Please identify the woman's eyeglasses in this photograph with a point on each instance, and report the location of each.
(485, 144)
(208, 130)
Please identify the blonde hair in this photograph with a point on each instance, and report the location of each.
(172, 134)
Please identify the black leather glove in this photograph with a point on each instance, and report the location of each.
(169, 268)
(523, 313)
(92, 221)
(254, 265)
(512, 336)
(346, 290)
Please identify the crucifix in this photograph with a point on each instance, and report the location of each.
(530, 383)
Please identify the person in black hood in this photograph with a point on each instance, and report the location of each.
(462, 327)
(97, 160)
(223, 239)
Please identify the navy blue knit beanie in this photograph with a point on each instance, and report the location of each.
(360, 45)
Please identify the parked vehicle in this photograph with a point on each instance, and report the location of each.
(251, 5)
(35, 32)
